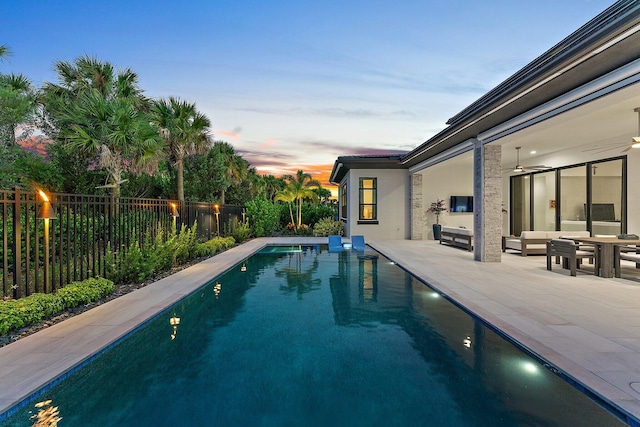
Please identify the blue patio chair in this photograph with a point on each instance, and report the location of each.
(357, 243)
(335, 243)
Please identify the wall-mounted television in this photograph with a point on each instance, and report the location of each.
(461, 204)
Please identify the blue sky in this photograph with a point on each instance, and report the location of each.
(294, 84)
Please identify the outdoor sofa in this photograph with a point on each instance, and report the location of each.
(535, 242)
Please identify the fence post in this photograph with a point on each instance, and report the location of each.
(17, 246)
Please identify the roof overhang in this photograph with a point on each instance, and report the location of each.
(608, 42)
(343, 164)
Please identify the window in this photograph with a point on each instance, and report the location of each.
(343, 201)
(368, 199)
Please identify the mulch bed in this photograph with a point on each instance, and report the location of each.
(119, 290)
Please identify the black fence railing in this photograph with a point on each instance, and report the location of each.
(41, 254)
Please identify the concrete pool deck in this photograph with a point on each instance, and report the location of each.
(586, 326)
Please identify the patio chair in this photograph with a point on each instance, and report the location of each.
(624, 253)
(357, 243)
(335, 243)
(571, 254)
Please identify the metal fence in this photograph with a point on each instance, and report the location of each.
(44, 249)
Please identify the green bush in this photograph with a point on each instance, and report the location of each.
(84, 292)
(313, 213)
(328, 227)
(263, 216)
(241, 232)
(34, 308)
(185, 245)
(213, 246)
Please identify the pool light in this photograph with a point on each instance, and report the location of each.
(174, 321)
(530, 368)
(467, 342)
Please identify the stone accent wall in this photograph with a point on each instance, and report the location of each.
(487, 183)
(417, 208)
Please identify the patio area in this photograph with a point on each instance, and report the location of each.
(586, 326)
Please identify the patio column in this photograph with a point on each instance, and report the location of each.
(417, 209)
(487, 202)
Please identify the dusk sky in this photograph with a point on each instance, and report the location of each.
(294, 84)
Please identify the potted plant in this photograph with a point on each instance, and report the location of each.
(437, 208)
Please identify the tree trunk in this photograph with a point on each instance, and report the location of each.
(180, 172)
(293, 221)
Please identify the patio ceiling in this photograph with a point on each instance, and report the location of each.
(607, 121)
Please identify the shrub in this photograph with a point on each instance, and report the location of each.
(213, 246)
(34, 308)
(312, 213)
(241, 232)
(84, 292)
(185, 245)
(328, 227)
(263, 217)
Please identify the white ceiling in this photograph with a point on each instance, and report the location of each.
(602, 127)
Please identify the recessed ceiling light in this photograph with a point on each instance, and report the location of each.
(533, 151)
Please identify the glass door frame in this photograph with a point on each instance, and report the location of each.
(558, 198)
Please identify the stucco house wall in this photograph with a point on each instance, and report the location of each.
(393, 211)
(442, 181)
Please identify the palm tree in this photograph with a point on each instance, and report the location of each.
(118, 135)
(288, 196)
(99, 113)
(272, 185)
(17, 106)
(5, 52)
(300, 185)
(185, 130)
(237, 167)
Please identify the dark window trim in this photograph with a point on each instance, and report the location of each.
(374, 191)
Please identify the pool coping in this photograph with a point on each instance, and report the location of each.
(29, 364)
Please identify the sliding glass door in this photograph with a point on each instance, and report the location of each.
(590, 196)
(606, 197)
(573, 198)
(544, 201)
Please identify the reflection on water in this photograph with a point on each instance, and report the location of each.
(300, 336)
(47, 415)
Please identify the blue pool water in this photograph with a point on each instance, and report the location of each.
(304, 337)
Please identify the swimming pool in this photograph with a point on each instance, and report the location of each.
(301, 336)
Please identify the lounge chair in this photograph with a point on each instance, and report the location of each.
(335, 243)
(357, 243)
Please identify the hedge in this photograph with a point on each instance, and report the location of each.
(36, 307)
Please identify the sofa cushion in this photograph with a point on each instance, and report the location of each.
(533, 235)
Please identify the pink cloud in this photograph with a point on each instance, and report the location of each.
(226, 133)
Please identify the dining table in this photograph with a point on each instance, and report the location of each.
(605, 248)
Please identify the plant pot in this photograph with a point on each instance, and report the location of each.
(436, 231)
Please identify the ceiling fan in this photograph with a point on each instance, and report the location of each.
(519, 168)
(635, 142)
